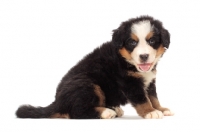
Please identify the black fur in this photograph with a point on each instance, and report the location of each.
(28, 111)
(104, 67)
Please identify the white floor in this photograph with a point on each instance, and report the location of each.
(41, 40)
(176, 123)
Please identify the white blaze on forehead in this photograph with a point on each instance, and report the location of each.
(141, 29)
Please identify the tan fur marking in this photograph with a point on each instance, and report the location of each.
(134, 74)
(160, 51)
(149, 35)
(154, 101)
(143, 109)
(134, 37)
(156, 104)
(58, 115)
(100, 109)
(124, 53)
(100, 94)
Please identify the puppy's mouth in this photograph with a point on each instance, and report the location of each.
(144, 66)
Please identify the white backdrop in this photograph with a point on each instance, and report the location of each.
(40, 40)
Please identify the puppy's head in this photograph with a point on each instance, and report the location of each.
(141, 41)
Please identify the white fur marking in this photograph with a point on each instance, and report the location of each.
(119, 111)
(148, 77)
(168, 113)
(156, 114)
(108, 114)
(141, 29)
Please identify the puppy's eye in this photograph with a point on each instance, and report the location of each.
(152, 41)
(133, 43)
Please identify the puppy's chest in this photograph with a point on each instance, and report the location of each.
(148, 78)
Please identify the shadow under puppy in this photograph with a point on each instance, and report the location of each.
(118, 72)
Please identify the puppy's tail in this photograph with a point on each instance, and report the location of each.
(28, 111)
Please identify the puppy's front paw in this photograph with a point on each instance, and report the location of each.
(156, 114)
(168, 113)
(119, 111)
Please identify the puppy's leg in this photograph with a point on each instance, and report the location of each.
(79, 101)
(147, 111)
(143, 105)
(104, 113)
(88, 102)
(154, 100)
(157, 106)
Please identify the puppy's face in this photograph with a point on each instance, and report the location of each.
(142, 43)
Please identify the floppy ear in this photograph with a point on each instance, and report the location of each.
(121, 34)
(117, 38)
(165, 38)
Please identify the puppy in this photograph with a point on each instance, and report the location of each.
(119, 72)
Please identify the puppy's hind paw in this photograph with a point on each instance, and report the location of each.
(108, 114)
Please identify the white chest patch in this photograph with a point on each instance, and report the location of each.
(148, 77)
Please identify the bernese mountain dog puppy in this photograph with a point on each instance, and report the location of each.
(116, 73)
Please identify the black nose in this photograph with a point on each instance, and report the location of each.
(144, 57)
